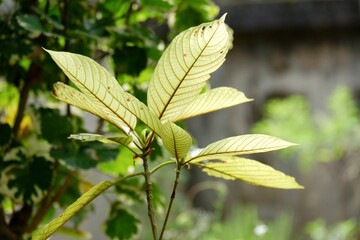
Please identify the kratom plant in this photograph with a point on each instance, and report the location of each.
(175, 93)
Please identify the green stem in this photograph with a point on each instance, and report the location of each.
(149, 197)
(120, 179)
(161, 165)
(172, 198)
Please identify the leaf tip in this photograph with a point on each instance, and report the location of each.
(222, 19)
(46, 50)
(293, 144)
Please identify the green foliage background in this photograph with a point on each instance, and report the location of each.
(40, 168)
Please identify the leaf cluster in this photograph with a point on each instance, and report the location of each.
(175, 93)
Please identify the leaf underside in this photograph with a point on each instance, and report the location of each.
(213, 100)
(101, 92)
(185, 66)
(176, 140)
(240, 145)
(96, 83)
(89, 137)
(76, 98)
(254, 172)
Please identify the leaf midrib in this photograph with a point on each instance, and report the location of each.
(93, 94)
(232, 153)
(186, 73)
(271, 180)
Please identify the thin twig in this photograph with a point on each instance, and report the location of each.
(5, 231)
(49, 200)
(161, 165)
(172, 198)
(31, 75)
(149, 197)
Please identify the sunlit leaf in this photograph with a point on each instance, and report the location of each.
(141, 111)
(185, 66)
(47, 230)
(215, 99)
(176, 140)
(254, 172)
(240, 145)
(76, 98)
(96, 83)
(89, 137)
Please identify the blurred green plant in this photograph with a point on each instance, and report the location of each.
(324, 137)
(242, 223)
(345, 230)
(330, 135)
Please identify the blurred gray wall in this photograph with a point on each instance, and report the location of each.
(282, 48)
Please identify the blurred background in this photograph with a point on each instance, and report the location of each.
(298, 59)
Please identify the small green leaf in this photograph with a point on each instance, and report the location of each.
(121, 224)
(89, 137)
(30, 23)
(213, 100)
(240, 145)
(176, 140)
(47, 230)
(231, 168)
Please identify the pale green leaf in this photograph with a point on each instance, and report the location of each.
(240, 145)
(141, 111)
(213, 100)
(96, 83)
(254, 172)
(76, 98)
(101, 90)
(47, 230)
(90, 137)
(185, 66)
(176, 140)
